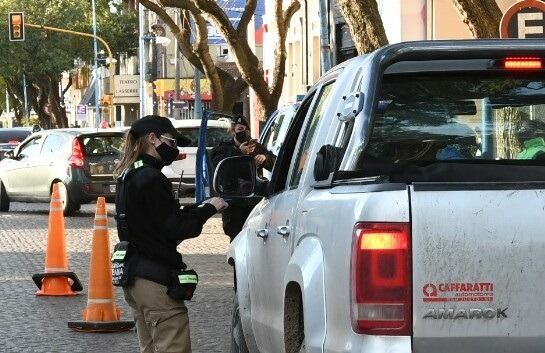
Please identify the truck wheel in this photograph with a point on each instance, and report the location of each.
(4, 200)
(238, 343)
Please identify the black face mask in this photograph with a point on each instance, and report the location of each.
(243, 136)
(167, 153)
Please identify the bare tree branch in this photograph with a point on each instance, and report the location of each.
(181, 4)
(249, 11)
(183, 41)
(481, 16)
(202, 50)
(215, 14)
(290, 11)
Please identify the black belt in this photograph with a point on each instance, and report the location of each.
(153, 271)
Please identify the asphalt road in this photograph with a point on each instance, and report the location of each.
(39, 324)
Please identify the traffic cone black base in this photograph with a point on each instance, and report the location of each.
(101, 327)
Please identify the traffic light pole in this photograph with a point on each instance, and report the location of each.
(97, 72)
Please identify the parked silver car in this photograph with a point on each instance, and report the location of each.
(82, 160)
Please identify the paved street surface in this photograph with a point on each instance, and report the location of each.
(39, 324)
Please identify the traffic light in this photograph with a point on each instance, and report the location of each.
(16, 26)
(106, 100)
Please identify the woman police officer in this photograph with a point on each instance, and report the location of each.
(151, 221)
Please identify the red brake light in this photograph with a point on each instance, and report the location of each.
(76, 160)
(381, 279)
(527, 63)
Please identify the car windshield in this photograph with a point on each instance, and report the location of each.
(13, 135)
(214, 135)
(107, 145)
(439, 117)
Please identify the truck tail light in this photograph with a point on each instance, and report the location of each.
(526, 63)
(77, 159)
(381, 279)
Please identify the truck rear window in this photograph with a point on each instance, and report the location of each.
(457, 127)
(459, 117)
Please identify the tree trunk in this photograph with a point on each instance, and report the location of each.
(481, 16)
(16, 99)
(38, 99)
(365, 24)
(57, 110)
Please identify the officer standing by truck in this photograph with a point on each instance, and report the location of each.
(240, 145)
(150, 226)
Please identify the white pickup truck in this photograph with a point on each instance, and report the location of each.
(406, 209)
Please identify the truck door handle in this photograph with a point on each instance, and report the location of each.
(263, 233)
(283, 231)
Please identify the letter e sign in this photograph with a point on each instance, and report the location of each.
(524, 20)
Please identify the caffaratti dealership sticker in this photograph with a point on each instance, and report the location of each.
(458, 292)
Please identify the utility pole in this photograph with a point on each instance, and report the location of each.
(176, 111)
(97, 76)
(142, 59)
(197, 113)
(10, 122)
(27, 113)
(325, 49)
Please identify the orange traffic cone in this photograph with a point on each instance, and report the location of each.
(56, 281)
(101, 314)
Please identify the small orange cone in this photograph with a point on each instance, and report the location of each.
(101, 314)
(56, 281)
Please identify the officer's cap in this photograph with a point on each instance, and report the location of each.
(240, 120)
(158, 125)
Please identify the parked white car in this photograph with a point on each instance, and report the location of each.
(218, 131)
(405, 212)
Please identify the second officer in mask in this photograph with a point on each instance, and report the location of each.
(151, 221)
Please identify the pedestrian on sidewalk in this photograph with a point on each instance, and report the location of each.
(151, 221)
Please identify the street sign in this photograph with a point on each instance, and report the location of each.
(16, 23)
(81, 112)
(525, 19)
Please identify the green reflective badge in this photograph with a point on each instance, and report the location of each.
(184, 279)
(138, 164)
(119, 255)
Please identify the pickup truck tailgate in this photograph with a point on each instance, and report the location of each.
(478, 269)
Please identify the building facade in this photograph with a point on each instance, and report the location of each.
(403, 20)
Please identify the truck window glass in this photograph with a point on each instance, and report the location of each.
(469, 118)
(308, 136)
(282, 165)
(272, 134)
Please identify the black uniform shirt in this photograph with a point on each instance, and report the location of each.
(156, 223)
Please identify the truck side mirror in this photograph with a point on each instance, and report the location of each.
(235, 177)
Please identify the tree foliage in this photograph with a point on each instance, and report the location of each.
(45, 55)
